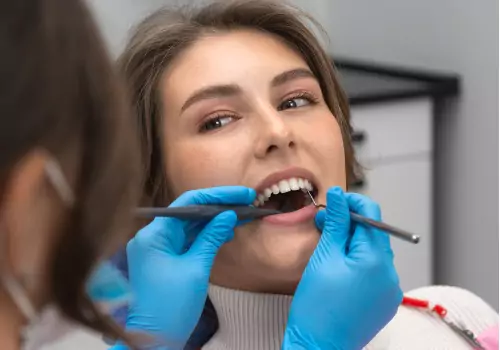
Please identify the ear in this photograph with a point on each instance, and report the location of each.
(28, 219)
(21, 194)
(23, 184)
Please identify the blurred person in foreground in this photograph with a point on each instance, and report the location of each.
(68, 172)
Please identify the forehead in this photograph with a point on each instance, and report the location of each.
(235, 57)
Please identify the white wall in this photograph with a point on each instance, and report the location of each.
(116, 17)
(450, 35)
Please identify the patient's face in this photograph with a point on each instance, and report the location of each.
(242, 108)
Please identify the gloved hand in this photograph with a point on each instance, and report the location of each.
(170, 279)
(350, 289)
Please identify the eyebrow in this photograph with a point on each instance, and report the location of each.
(229, 90)
(293, 74)
(211, 92)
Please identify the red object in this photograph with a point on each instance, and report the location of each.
(424, 304)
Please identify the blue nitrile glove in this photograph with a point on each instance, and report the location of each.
(350, 289)
(169, 278)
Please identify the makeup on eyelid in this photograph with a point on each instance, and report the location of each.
(252, 134)
(308, 99)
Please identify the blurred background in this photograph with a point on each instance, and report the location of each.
(422, 77)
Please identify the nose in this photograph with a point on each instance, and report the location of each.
(274, 134)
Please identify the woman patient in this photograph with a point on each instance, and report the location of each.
(242, 93)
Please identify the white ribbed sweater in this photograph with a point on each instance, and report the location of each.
(252, 321)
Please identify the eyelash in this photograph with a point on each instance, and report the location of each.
(205, 123)
(301, 95)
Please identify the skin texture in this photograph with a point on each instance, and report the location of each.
(256, 136)
(26, 195)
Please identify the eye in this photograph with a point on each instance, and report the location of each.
(217, 122)
(296, 102)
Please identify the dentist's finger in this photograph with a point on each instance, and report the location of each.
(368, 208)
(217, 232)
(223, 195)
(170, 233)
(319, 219)
(336, 226)
(192, 228)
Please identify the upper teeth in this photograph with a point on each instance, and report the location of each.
(283, 186)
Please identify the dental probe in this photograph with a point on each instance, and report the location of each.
(394, 231)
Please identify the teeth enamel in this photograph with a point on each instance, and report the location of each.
(308, 185)
(268, 192)
(294, 185)
(275, 189)
(301, 183)
(262, 199)
(284, 186)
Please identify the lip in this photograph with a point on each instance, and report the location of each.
(293, 218)
(283, 175)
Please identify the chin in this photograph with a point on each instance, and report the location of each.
(265, 258)
(282, 254)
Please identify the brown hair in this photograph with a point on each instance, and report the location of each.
(161, 37)
(58, 92)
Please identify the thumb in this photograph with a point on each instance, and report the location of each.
(337, 221)
(217, 232)
(319, 219)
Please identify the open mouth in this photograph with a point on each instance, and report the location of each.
(287, 195)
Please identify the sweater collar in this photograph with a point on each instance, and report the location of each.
(248, 321)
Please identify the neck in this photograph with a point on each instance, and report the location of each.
(11, 323)
(247, 320)
(238, 277)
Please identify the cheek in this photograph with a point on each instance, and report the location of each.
(326, 137)
(195, 165)
(326, 145)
